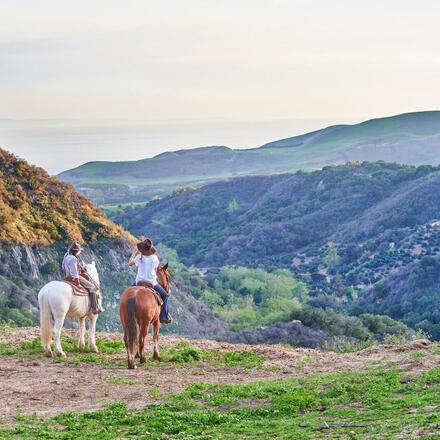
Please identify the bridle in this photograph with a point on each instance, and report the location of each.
(164, 277)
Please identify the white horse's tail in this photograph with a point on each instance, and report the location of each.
(45, 320)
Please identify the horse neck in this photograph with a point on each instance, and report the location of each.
(160, 279)
(94, 276)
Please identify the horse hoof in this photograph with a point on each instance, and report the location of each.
(61, 354)
(48, 354)
(94, 350)
(156, 357)
(143, 359)
(132, 367)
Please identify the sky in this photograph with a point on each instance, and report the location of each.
(114, 80)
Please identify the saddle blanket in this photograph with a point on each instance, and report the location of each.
(150, 287)
(77, 290)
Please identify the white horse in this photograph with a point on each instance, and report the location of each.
(57, 300)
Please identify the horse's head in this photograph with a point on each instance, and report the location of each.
(163, 277)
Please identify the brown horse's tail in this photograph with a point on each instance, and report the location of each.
(132, 327)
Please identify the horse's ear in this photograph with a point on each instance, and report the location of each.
(165, 266)
(93, 264)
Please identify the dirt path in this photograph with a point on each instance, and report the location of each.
(35, 384)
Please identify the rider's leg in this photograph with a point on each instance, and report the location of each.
(92, 290)
(164, 314)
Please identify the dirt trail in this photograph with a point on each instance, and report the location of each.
(35, 384)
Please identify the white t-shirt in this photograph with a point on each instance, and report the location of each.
(146, 268)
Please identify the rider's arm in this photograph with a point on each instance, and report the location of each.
(131, 261)
(156, 263)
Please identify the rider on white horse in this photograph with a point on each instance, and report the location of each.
(77, 275)
(57, 299)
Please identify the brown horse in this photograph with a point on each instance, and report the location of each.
(138, 309)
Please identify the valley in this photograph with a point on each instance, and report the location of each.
(348, 232)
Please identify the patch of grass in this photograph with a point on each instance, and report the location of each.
(184, 353)
(417, 355)
(431, 376)
(110, 346)
(155, 393)
(121, 380)
(372, 404)
(6, 349)
(304, 361)
(244, 359)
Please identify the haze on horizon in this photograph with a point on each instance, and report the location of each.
(141, 77)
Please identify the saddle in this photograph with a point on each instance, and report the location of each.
(77, 288)
(150, 287)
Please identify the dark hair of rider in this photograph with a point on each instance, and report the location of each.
(73, 252)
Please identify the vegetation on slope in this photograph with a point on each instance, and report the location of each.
(412, 295)
(269, 220)
(37, 209)
(341, 230)
(276, 307)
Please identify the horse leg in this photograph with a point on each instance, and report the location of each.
(58, 326)
(142, 336)
(46, 324)
(92, 333)
(82, 329)
(156, 328)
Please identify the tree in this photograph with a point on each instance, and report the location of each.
(331, 259)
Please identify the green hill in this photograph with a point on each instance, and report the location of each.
(342, 230)
(412, 138)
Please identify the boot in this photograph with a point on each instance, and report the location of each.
(169, 320)
(95, 308)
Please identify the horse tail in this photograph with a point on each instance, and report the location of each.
(45, 320)
(132, 326)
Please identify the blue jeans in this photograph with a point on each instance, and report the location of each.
(164, 314)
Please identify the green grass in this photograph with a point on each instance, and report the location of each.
(180, 354)
(350, 405)
(244, 359)
(121, 380)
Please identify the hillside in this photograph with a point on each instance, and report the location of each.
(37, 209)
(39, 217)
(411, 138)
(341, 230)
(209, 390)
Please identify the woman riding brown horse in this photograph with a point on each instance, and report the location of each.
(138, 309)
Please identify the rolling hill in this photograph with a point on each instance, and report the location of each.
(344, 230)
(412, 138)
